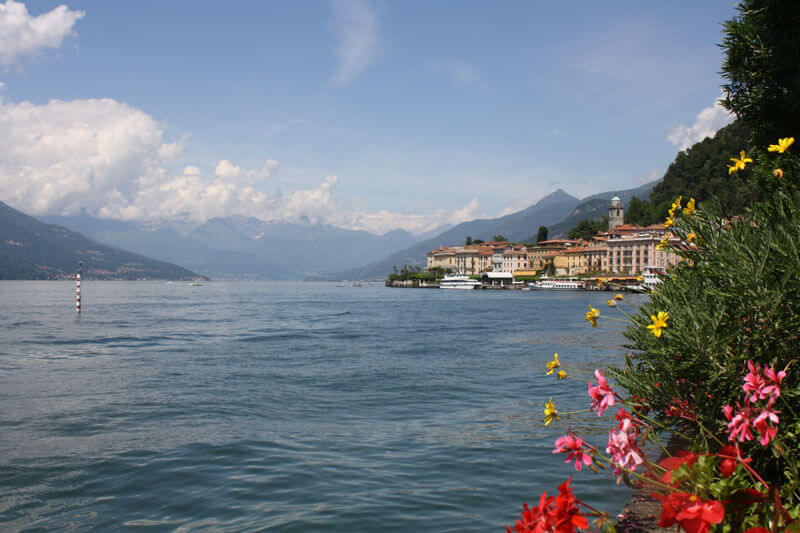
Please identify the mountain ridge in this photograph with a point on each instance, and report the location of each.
(31, 249)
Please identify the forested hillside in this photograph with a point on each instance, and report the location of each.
(700, 172)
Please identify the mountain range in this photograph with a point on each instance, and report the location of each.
(249, 248)
(244, 248)
(30, 249)
(559, 211)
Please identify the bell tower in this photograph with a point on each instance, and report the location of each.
(616, 214)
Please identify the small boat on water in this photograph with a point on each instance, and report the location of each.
(650, 279)
(573, 284)
(458, 281)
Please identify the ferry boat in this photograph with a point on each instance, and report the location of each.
(458, 281)
(573, 284)
(650, 279)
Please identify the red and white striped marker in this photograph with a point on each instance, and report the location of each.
(78, 289)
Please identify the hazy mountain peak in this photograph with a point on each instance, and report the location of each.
(556, 197)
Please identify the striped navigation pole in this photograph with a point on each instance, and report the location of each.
(78, 288)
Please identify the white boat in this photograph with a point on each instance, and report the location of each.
(650, 279)
(558, 284)
(458, 281)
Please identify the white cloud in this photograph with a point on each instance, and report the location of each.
(23, 35)
(383, 221)
(468, 212)
(707, 123)
(112, 160)
(357, 30)
(227, 171)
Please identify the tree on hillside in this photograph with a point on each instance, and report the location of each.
(640, 212)
(542, 235)
(586, 229)
(468, 241)
(499, 238)
(701, 172)
(477, 241)
(761, 66)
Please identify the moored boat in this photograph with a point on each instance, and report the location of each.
(458, 281)
(558, 284)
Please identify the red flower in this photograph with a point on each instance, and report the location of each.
(689, 511)
(727, 466)
(672, 463)
(553, 515)
(567, 515)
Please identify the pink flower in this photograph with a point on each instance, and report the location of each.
(774, 390)
(762, 424)
(761, 389)
(574, 445)
(623, 448)
(602, 395)
(754, 382)
(739, 425)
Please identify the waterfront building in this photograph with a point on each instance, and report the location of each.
(544, 253)
(515, 258)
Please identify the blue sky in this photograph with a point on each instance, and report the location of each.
(371, 115)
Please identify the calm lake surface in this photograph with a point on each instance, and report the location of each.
(289, 406)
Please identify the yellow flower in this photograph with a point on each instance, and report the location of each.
(675, 206)
(591, 316)
(562, 374)
(778, 173)
(550, 412)
(619, 297)
(690, 237)
(639, 278)
(689, 209)
(612, 303)
(600, 281)
(669, 222)
(739, 164)
(659, 322)
(663, 243)
(552, 365)
(782, 146)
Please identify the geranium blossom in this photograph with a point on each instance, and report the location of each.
(764, 424)
(740, 423)
(602, 395)
(558, 515)
(623, 448)
(690, 511)
(573, 447)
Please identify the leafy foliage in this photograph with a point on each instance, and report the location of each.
(761, 62)
(542, 234)
(735, 297)
(586, 228)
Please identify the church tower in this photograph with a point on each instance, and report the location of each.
(616, 213)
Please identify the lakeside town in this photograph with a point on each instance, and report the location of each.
(620, 255)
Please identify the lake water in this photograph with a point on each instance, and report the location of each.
(289, 406)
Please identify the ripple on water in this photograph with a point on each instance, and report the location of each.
(287, 407)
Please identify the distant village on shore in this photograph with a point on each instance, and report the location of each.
(623, 251)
